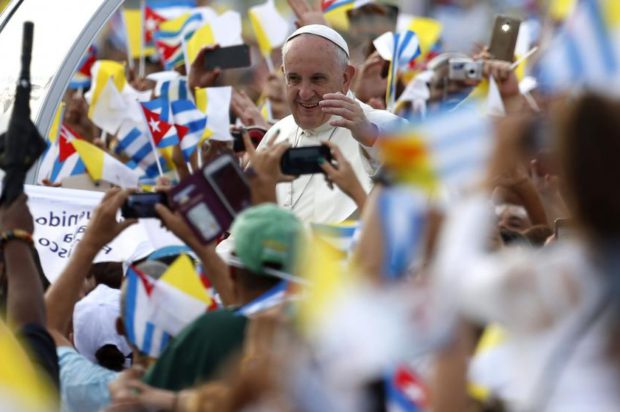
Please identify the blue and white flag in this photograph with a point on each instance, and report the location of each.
(585, 52)
(139, 328)
(267, 300)
(190, 124)
(134, 143)
(173, 89)
(402, 216)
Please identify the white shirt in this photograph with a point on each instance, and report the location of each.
(309, 196)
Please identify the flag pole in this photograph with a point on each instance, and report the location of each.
(152, 140)
(141, 69)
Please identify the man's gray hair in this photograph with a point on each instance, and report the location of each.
(341, 55)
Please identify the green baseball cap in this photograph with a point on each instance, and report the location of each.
(267, 234)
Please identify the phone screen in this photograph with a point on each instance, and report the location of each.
(304, 160)
(232, 186)
(142, 205)
(228, 57)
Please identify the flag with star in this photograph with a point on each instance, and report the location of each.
(160, 129)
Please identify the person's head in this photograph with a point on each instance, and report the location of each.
(315, 62)
(266, 243)
(588, 141)
(512, 217)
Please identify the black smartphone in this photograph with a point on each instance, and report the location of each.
(228, 57)
(256, 135)
(142, 205)
(504, 38)
(304, 160)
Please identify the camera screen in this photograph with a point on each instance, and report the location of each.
(232, 186)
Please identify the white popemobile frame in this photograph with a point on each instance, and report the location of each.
(63, 30)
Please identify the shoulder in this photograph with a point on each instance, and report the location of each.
(222, 320)
(285, 126)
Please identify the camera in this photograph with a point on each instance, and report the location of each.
(142, 205)
(465, 69)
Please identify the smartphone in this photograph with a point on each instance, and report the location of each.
(229, 183)
(304, 160)
(256, 135)
(228, 57)
(142, 205)
(504, 38)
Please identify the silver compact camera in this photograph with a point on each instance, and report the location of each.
(463, 68)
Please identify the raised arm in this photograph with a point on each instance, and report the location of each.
(25, 292)
(103, 227)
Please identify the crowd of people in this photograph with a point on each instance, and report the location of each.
(386, 282)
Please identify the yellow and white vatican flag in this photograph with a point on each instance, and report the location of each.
(270, 28)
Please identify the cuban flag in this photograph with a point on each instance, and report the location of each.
(82, 77)
(170, 36)
(405, 391)
(152, 20)
(68, 161)
(139, 329)
(190, 124)
(134, 143)
(159, 121)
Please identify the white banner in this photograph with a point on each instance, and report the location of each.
(60, 218)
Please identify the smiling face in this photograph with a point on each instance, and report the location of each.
(313, 66)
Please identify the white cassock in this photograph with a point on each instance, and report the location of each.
(309, 196)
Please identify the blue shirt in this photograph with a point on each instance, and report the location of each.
(83, 384)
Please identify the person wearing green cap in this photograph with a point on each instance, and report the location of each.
(266, 241)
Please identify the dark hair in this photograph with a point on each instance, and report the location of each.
(255, 282)
(108, 273)
(588, 142)
(513, 238)
(110, 357)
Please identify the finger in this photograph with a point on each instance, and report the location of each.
(328, 168)
(165, 214)
(298, 7)
(279, 149)
(347, 124)
(337, 96)
(247, 143)
(126, 223)
(350, 104)
(200, 57)
(343, 112)
(336, 153)
(109, 194)
(119, 198)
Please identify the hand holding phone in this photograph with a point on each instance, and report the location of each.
(305, 160)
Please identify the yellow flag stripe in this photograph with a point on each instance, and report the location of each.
(182, 275)
(92, 156)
